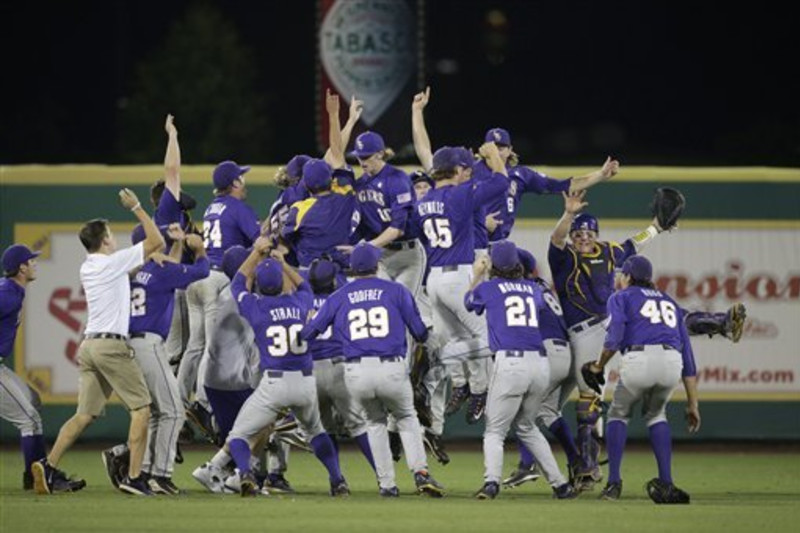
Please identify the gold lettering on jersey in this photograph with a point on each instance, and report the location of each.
(364, 295)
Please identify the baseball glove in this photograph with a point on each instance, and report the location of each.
(594, 381)
(667, 206)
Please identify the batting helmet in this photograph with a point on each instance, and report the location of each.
(585, 221)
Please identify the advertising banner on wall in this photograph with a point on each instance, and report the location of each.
(707, 267)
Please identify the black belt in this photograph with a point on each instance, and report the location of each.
(577, 328)
(280, 373)
(520, 353)
(113, 336)
(143, 334)
(382, 358)
(558, 342)
(401, 245)
(641, 347)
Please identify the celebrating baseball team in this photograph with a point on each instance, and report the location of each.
(367, 305)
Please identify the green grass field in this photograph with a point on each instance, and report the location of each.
(747, 491)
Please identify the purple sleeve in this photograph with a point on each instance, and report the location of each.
(322, 319)
(410, 312)
(248, 223)
(474, 301)
(539, 183)
(169, 209)
(689, 365)
(11, 301)
(244, 299)
(490, 189)
(305, 294)
(557, 256)
(402, 200)
(288, 231)
(616, 324)
(180, 276)
(620, 252)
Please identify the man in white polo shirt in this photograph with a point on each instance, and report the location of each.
(105, 359)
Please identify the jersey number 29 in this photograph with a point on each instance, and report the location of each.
(370, 323)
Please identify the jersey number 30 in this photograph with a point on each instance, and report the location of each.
(370, 323)
(285, 340)
(661, 311)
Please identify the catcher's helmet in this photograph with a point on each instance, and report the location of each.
(585, 221)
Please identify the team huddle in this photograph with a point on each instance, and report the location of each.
(368, 307)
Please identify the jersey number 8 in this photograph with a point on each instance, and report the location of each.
(285, 340)
(366, 324)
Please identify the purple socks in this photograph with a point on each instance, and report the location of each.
(616, 435)
(326, 452)
(240, 451)
(32, 450)
(363, 445)
(661, 440)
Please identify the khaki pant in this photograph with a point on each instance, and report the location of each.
(106, 366)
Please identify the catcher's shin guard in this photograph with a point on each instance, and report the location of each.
(702, 323)
(588, 442)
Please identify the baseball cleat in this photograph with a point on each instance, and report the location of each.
(277, 484)
(210, 477)
(521, 475)
(248, 485)
(565, 492)
(458, 396)
(163, 485)
(138, 486)
(392, 492)
(734, 321)
(47, 479)
(489, 491)
(116, 465)
(476, 408)
(612, 491)
(427, 485)
(232, 483)
(436, 446)
(662, 492)
(340, 489)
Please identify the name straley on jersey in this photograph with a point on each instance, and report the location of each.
(215, 209)
(364, 295)
(430, 208)
(284, 313)
(370, 195)
(510, 286)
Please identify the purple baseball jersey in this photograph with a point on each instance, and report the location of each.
(169, 210)
(12, 295)
(584, 282)
(277, 322)
(446, 215)
(511, 308)
(521, 180)
(325, 345)
(642, 316)
(316, 225)
(385, 200)
(370, 317)
(227, 222)
(551, 315)
(153, 293)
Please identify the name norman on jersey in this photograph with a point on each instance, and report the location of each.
(510, 286)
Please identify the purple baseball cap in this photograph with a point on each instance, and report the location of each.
(294, 168)
(527, 260)
(269, 275)
(418, 176)
(368, 143)
(226, 173)
(450, 157)
(233, 259)
(15, 255)
(322, 272)
(498, 136)
(585, 221)
(504, 255)
(638, 267)
(317, 174)
(364, 258)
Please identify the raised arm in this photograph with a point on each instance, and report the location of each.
(335, 154)
(172, 159)
(605, 173)
(153, 240)
(356, 107)
(573, 204)
(419, 133)
(491, 153)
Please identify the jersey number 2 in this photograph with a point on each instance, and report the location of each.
(138, 301)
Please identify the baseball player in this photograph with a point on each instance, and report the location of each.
(559, 356)
(227, 221)
(583, 275)
(277, 318)
(152, 299)
(645, 326)
(446, 215)
(521, 373)
(19, 403)
(370, 316)
(326, 351)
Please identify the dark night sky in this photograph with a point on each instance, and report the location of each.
(650, 82)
